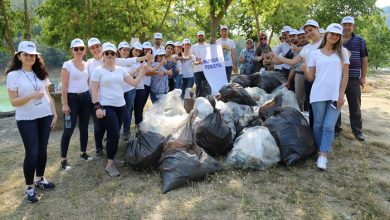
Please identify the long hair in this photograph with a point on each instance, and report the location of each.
(337, 47)
(38, 67)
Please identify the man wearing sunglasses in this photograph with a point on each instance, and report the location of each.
(260, 51)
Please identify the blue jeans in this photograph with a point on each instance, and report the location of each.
(35, 136)
(112, 122)
(178, 81)
(79, 104)
(325, 118)
(98, 130)
(140, 100)
(228, 72)
(129, 98)
(186, 83)
(155, 96)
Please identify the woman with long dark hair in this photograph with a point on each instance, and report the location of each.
(27, 83)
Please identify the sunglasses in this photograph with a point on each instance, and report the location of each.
(249, 42)
(263, 38)
(112, 53)
(78, 48)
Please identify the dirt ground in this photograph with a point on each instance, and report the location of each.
(355, 186)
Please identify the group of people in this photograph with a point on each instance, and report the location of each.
(119, 80)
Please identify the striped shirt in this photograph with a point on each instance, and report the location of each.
(357, 46)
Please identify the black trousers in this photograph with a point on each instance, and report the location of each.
(354, 94)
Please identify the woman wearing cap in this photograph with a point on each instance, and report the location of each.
(159, 83)
(107, 96)
(328, 68)
(187, 71)
(76, 101)
(171, 64)
(27, 83)
(178, 50)
(129, 90)
(247, 58)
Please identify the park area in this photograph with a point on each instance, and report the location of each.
(356, 184)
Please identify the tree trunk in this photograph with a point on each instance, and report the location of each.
(256, 17)
(214, 20)
(27, 33)
(6, 30)
(270, 36)
(165, 15)
(89, 18)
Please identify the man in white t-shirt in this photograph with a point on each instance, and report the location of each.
(283, 49)
(229, 52)
(158, 42)
(199, 51)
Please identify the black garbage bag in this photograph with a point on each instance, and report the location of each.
(293, 135)
(271, 80)
(144, 151)
(183, 161)
(234, 92)
(255, 121)
(214, 135)
(251, 80)
(266, 110)
(204, 89)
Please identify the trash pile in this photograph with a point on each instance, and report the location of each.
(253, 123)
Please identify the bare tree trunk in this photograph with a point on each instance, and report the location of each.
(214, 20)
(166, 14)
(6, 30)
(270, 36)
(256, 17)
(27, 33)
(89, 18)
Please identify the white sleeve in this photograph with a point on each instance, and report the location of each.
(12, 83)
(346, 56)
(232, 44)
(95, 75)
(277, 50)
(125, 61)
(66, 65)
(312, 59)
(124, 72)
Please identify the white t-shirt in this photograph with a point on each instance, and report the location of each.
(78, 80)
(199, 51)
(110, 85)
(326, 85)
(227, 46)
(282, 49)
(187, 69)
(127, 87)
(308, 48)
(92, 63)
(26, 83)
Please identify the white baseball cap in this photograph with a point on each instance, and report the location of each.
(178, 44)
(200, 33)
(322, 31)
(158, 36)
(286, 29)
(123, 44)
(301, 31)
(27, 47)
(137, 45)
(108, 46)
(335, 28)
(348, 19)
(293, 32)
(160, 52)
(147, 45)
(93, 41)
(170, 43)
(77, 43)
(311, 22)
(186, 41)
(223, 27)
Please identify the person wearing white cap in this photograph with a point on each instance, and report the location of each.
(357, 76)
(35, 113)
(76, 101)
(171, 64)
(158, 42)
(107, 96)
(187, 71)
(328, 69)
(179, 64)
(229, 52)
(199, 51)
(283, 50)
(95, 48)
(159, 83)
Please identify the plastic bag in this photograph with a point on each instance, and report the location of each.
(270, 80)
(266, 110)
(204, 89)
(170, 105)
(248, 80)
(289, 99)
(189, 101)
(242, 115)
(292, 133)
(161, 124)
(182, 160)
(255, 149)
(227, 115)
(256, 93)
(144, 151)
(233, 92)
(203, 107)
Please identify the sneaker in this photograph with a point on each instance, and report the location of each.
(44, 184)
(119, 163)
(31, 195)
(112, 171)
(99, 154)
(359, 135)
(65, 165)
(86, 157)
(125, 137)
(321, 162)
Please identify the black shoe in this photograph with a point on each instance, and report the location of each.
(65, 165)
(125, 137)
(31, 195)
(85, 156)
(336, 133)
(359, 136)
(99, 154)
(44, 184)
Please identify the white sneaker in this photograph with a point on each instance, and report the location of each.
(321, 162)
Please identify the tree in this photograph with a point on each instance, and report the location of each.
(218, 9)
(27, 33)
(6, 23)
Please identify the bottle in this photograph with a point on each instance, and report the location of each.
(68, 122)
